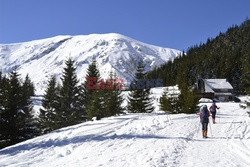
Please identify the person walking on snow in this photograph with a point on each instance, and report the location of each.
(212, 109)
(204, 115)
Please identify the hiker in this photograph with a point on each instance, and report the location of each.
(204, 115)
(212, 109)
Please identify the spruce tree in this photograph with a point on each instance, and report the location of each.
(4, 84)
(187, 100)
(139, 100)
(113, 97)
(4, 133)
(28, 87)
(93, 96)
(247, 82)
(13, 111)
(1, 92)
(169, 101)
(71, 107)
(29, 124)
(16, 121)
(49, 112)
(95, 106)
(165, 104)
(92, 72)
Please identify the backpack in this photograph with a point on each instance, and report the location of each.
(204, 112)
(213, 109)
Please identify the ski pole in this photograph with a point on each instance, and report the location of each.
(198, 128)
(170, 120)
(219, 114)
(210, 128)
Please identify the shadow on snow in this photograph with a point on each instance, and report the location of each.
(81, 139)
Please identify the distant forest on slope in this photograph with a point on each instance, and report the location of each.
(226, 56)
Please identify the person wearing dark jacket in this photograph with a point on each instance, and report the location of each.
(204, 118)
(212, 109)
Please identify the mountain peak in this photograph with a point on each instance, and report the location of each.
(43, 58)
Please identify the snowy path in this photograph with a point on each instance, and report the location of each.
(140, 140)
(229, 143)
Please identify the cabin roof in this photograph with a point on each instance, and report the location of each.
(212, 84)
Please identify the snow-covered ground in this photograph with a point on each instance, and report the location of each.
(141, 140)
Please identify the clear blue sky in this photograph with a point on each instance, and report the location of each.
(176, 24)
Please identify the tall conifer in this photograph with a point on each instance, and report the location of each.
(139, 100)
(72, 107)
(16, 120)
(93, 97)
(113, 97)
(92, 72)
(49, 112)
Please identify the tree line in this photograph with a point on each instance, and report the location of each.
(225, 56)
(64, 103)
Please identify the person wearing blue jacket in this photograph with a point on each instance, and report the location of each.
(204, 118)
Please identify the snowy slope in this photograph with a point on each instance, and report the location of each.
(42, 58)
(141, 140)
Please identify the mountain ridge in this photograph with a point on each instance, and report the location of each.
(113, 52)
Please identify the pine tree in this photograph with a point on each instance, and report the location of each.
(28, 87)
(116, 100)
(72, 108)
(169, 101)
(29, 125)
(165, 103)
(16, 121)
(1, 92)
(113, 98)
(49, 114)
(139, 100)
(92, 72)
(95, 106)
(187, 100)
(13, 110)
(27, 91)
(247, 82)
(3, 85)
(93, 96)
(4, 133)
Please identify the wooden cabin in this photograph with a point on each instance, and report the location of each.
(219, 89)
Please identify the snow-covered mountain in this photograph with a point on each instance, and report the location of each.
(42, 58)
